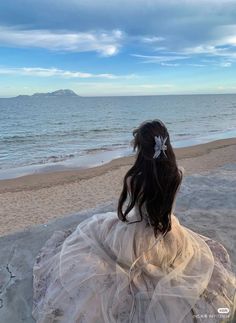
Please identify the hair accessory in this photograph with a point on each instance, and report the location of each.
(159, 146)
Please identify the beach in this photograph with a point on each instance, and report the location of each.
(35, 207)
(38, 198)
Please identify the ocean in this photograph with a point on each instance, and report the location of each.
(40, 134)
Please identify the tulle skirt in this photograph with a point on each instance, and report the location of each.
(109, 271)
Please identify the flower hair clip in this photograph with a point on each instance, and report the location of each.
(159, 146)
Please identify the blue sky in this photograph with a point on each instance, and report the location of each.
(125, 47)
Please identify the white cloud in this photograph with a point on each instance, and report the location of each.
(153, 39)
(225, 64)
(161, 59)
(210, 50)
(55, 72)
(169, 64)
(105, 43)
(223, 48)
(221, 45)
(218, 43)
(196, 65)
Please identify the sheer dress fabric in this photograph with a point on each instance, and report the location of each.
(109, 271)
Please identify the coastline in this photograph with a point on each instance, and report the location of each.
(38, 198)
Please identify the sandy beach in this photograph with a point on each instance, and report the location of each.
(38, 198)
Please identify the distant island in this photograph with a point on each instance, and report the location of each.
(58, 93)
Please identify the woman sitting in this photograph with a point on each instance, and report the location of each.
(138, 264)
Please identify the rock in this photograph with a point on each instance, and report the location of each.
(17, 256)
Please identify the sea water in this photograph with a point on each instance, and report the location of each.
(53, 133)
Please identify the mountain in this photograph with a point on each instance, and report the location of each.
(58, 93)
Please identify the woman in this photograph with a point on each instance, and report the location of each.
(138, 264)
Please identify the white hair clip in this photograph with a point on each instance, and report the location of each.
(159, 146)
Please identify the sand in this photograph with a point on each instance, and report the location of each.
(38, 198)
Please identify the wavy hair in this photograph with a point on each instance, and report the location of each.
(151, 182)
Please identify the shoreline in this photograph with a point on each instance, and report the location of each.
(39, 198)
(100, 156)
(53, 178)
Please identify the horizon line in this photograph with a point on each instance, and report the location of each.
(122, 95)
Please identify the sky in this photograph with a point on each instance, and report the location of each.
(117, 47)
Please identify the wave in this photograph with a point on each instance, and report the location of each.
(105, 130)
(96, 150)
(105, 148)
(183, 134)
(37, 137)
(57, 134)
(54, 159)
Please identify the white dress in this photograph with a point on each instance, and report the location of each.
(109, 271)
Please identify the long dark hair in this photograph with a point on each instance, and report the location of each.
(151, 182)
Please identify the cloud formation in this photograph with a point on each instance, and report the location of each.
(194, 27)
(160, 59)
(55, 72)
(160, 41)
(105, 43)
